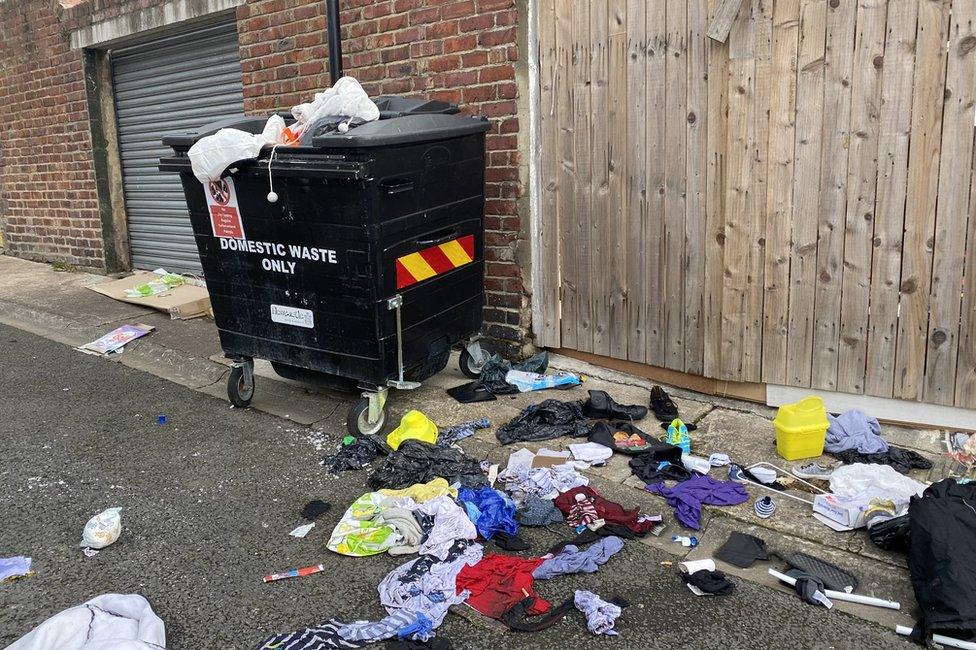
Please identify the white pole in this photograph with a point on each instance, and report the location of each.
(843, 595)
(938, 638)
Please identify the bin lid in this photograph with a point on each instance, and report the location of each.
(403, 130)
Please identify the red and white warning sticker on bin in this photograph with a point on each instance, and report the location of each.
(225, 214)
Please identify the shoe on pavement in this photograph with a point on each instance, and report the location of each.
(814, 471)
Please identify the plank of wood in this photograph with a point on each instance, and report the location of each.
(569, 261)
(636, 216)
(762, 19)
(806, 192)
(966, 362)
(617, 162)
(716, 175)
(675, 156)
(836, 134)
(889, 220)
(600, 174)
(697, 163)
(862, 184)
(545, 297)
(722, 19)
(955, 169)
(654, 86)
(923, 184)
(583, 153)
(779, 190)
(741, 136)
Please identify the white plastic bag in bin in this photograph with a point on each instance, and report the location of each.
(346, 99)
(211, 155)
(102, 529)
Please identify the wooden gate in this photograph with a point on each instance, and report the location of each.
(793, 206)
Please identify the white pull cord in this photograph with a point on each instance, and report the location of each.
(272, 195)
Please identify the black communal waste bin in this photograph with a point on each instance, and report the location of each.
(367, 268)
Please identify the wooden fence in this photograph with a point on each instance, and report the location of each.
(793, 206)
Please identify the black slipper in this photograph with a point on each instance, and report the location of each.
(661, 404)
(691, 426)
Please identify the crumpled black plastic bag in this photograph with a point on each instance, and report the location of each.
(544, 421)
(892, 535)
(420, 462)
(493, 372)
(356, 454)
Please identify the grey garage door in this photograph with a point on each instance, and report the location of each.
(171, 84)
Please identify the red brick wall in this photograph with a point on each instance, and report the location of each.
(463, 51)
(48, 203)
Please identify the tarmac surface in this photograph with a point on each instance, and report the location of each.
(209, 498)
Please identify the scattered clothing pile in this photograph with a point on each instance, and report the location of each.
(688, 497)
(855, 437)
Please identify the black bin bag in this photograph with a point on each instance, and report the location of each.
(942, 560)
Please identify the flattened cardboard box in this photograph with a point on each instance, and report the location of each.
(184, 302)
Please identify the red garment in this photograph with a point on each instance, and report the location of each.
(499, 582)
(610, 511)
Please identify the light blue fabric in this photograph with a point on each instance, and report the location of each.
(854, 430)
(600, 615)
(572, 560)
(12, 567)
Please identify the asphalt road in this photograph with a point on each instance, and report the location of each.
(208, 500)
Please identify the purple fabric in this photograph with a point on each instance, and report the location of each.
(854, 430)
(689, 496)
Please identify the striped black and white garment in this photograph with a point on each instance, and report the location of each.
(320, 637)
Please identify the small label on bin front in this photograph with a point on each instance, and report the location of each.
(225, 214)
(292, 316)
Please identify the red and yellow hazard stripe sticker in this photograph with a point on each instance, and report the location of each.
(425, 264)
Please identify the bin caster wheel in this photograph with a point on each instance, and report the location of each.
(469, 367)
(240, 386)
(357, 422)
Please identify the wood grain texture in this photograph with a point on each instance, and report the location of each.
(582, 161)
(722, 18)
(697, 163)
(835, 138)
(862, 183)
(715, 197)
(655, 72)
(600, 249)
(569, 235)
(779, 191)
(638, 255)
(617, 246)
(806, 190)
(546, 260)
(966, 363)
(889, 219)
(738, 201)
(675, 157)
(923, 186)
(955, 171)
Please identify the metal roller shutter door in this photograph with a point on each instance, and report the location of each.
(171, 84)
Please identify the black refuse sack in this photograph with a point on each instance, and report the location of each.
(421, 462)
(544, 421)
(942, 559)
(892, 535)
(493, 372)
(360, 452)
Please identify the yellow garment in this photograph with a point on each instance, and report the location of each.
(421, 492)
(414, 426)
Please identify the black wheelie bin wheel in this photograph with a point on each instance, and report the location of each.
(240, 385)
(468, 366)
(357, 421)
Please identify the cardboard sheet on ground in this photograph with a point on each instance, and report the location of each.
(184, 302)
